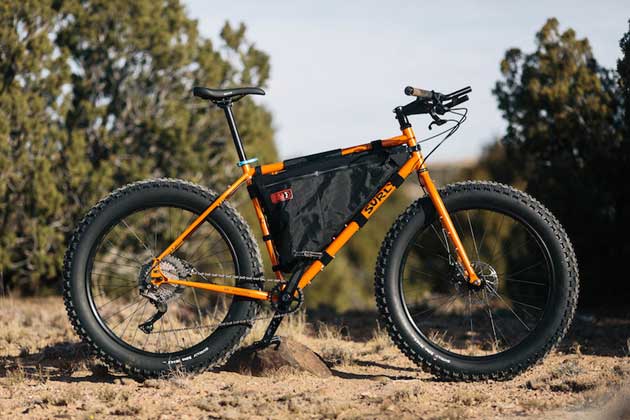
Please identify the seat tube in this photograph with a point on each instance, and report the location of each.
(227, 108)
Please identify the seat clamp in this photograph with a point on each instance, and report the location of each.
(247, 162)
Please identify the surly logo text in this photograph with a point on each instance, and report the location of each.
(378, 199)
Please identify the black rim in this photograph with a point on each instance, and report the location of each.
(193, 315)
(477, 323)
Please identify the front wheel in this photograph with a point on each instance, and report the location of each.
(453, 329)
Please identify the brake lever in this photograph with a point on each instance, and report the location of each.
(436, 120)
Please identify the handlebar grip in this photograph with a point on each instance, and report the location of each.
(420, 93)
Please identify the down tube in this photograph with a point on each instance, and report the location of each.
(353, 227)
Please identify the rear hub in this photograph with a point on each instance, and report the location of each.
(172, 268)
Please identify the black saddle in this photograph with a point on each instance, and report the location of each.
(226, 95)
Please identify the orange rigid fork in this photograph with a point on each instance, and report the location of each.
(415, 163)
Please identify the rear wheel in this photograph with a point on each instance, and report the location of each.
(146, 330)
(528, 293)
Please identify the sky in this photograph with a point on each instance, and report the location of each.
(338, 68)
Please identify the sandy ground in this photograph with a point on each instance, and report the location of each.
(45, 373)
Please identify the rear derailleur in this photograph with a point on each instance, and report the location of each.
(147, 326)
(160, 296)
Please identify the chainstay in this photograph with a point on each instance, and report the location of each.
(234, 276)
(249, 321)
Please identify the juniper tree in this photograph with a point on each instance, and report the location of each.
(565, 140)
(97, 94)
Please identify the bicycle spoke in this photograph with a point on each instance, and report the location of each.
(494, 332)
(112, 289)
(118, 254)
(137, 306)
(433, 254)
(472, 332)
(122, 310)
(444, 244)
(526, 304)
(154, 237)
(482, 238)
(116, 298)
(510, 279)
(194, 293)
(498, 236)
(424, 273)
(509, 307)
(451, 300)
(199, 260)
(472, 233)
(512, 249)
(201, 242)
(117, 264)
(523, 269)
(137, 237)
(112, 276)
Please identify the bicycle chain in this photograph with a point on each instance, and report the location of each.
(249, 321)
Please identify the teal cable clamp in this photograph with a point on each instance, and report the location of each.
(247, 162)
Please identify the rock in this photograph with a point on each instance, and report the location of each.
(289, 355)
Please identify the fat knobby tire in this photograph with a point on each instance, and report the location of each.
(196, 198)
(431, 358)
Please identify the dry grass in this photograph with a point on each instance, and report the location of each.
(45, 373)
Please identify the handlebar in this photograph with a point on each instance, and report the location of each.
(432, 102)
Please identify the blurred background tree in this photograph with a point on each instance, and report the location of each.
(567, 146)
(97, 94)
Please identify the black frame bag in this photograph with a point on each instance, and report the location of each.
(314, 197)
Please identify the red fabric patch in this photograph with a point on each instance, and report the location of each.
(284, 195)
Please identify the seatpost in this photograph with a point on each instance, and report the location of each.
(227, 108)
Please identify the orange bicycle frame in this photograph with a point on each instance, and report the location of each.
(415, 163)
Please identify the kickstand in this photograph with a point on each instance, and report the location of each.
(269, 338)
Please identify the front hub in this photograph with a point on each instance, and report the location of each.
(487, 275)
